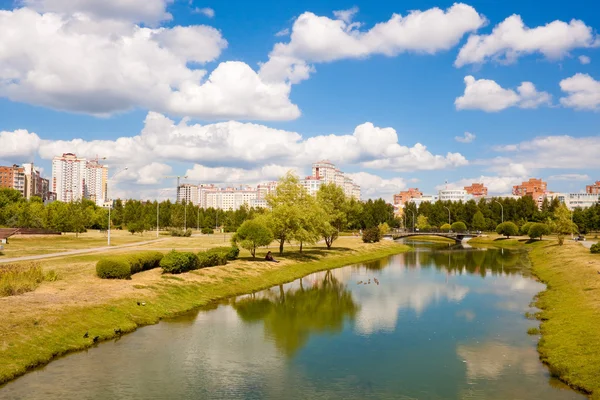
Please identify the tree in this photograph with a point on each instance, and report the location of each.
(537, 230)
(459, 227)
(507, 229)
(562, 224)
(252, 234)
(333, 201)
(284, 218)
(383, 228)
(446, 227)
(423, 223)
(371, 235)
(311, 221)
(478, 221)
(524, 229)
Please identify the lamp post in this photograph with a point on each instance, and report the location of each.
(111, 204)
(413, 214)
(502, 208)
(448, 215)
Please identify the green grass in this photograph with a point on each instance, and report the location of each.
(570, 315)
(25, 345)
(19, 279)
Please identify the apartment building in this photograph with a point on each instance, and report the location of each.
(576, 200)
(593, 189)
(265, 189)
(311, 184)
(454, 195)
(327, 172)
(13, 177)
(535, 188)
(404, 197)
(188, 193)
(76, 178)
(477, 190)
(230, 198)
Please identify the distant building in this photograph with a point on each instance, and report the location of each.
(454, 195)
(265, 189)
(230, 198)
(404, 197)
(534, 188)
(417, 201)
(187, 193)
(312, 185)
(327, 172)
(477, 190)
(576, 200)
(593, 189)
(13, 177)
(76, 178)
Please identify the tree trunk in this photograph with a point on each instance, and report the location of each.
(300, 247)
(281, 241)
(281, 294)
(253, 252)
(328, 242)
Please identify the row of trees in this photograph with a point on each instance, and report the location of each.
(486, 215)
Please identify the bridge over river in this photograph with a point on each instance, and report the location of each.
(457, 237)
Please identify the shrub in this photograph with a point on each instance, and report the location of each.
(122, 267)
(181, 232)
(18, 279)
(595, 249)
(459, 227)
(207, 231)
(230, 253)
(507, 229)
(178, 262)
(252, 234)
(445, 228)
(524, 230)
(113, 268)
(371, 235)
(538, 230)
(206, 259)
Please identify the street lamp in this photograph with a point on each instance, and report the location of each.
(502, 207)
(448, 215)
(111, 204)
(413, 214)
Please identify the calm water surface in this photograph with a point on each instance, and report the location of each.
(441, 323)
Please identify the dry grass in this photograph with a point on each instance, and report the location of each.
(18, 279)
(39, 325)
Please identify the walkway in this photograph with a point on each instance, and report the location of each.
(77, 252)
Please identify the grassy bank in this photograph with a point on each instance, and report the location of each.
(570, 315)
(53, 319)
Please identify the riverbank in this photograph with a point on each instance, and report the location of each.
(570, 316)
(54, 319)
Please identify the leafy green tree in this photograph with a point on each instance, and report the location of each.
(537, 230)
(423, 223)
(507, 229)
(384, 229)
(524, 229)
(446, 227)
(459, 227)
(252, 234)
(332, 200)
(478, 221)
(561, 224)
(285, 216)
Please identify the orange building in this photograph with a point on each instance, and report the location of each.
(593, 189)
(402, 198)
(534, 188)
(477, 190)
(13, 178)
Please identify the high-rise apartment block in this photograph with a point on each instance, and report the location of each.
(327, 173)
(25, 179)
(593, 189)
(76, 178)
(13, 177)
(404, 197)
(477, 190)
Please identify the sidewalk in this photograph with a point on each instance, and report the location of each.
(76, 252)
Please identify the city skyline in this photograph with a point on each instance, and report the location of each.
(389, 101)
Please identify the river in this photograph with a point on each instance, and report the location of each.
(442, 322)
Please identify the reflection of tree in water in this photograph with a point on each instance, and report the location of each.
(290, 317)
(375, 265)
(475, 261)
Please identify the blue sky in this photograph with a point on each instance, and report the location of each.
(61, 90)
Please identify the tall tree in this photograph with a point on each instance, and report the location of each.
(284, 219)
(333, 201)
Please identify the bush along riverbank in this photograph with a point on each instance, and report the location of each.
(570, 316)
(31, 338)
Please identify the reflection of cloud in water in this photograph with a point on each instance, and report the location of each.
(466, 314)
(492, 360)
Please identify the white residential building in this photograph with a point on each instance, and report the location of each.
(265, 189)
(454, 195)
(188, 193)
(230, 198)
(417, 201)
(575, 200)
(311, 184)
(327, 172)
(75, 178)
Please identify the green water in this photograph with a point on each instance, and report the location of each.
(441, 323)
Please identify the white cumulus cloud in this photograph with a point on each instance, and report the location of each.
(18, 145)
(511, 39)
(374, 186)
(487, 95)
(584, 60)
(80, 64)
(316, 39)
(468, 137)
(206, 11)
(583, 92)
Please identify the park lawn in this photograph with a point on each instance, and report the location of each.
(30, 245)
(52, 320)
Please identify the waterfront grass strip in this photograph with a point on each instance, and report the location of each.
(35, 339)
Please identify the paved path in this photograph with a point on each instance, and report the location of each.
(76, 252)
(587, 244)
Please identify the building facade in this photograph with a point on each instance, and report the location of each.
(188, 193)
(76, 178)
(326, 172)
(477, 190)
(593, 189)
(576, 200)
(454, 195)
(13, 177)
(535, 188)
(404, 197)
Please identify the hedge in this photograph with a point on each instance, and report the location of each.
(178, 262)
(123, 266)
(371, 235)
(231, 253)
(595, 249)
